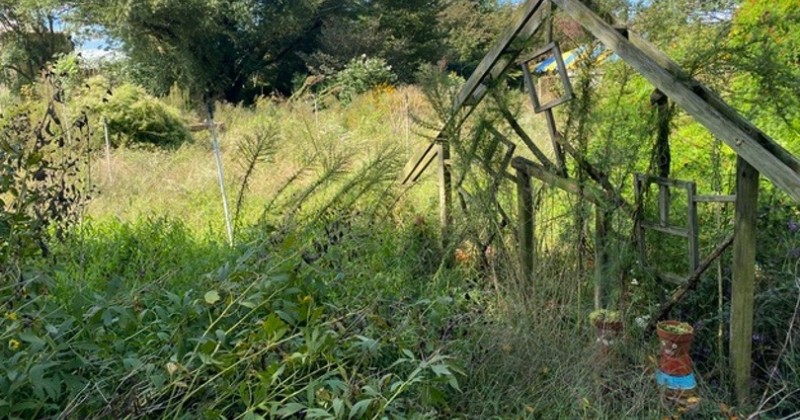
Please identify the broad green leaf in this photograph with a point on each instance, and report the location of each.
(32, 339)
(212, 297)
(290, 409)
(360, 409)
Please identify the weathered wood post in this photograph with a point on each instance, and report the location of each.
(445, 189)
(527, 241)
(744, 263)
(601, 282)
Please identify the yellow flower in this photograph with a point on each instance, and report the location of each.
(14, 344)
(11, 316)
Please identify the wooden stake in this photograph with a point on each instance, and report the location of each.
(744, 260)
(527, 241)
(601, 258)
(445, 189)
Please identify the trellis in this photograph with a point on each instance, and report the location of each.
(756, 153)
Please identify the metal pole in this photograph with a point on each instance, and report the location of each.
(108, 149)
(220, 175)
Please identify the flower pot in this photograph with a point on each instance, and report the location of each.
(675, 366)
(673, 343)
(607, 332)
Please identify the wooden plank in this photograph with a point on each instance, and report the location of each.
(445, 191)
(761, 152)
(744, 261)
(690, 283)
(639, 189)
(522, 134)
(694, 245)
(493, 57)
(663, 205)
(527, 232)
(417, 165)
(537, 171)
(667, 182)
(555, 136)
(669, 230)
(715, 199)
(601, 283)
(671, 278)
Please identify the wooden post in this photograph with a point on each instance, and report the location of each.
(693, 228)
(744, 260)
(601, 257)
(527, 241)
(445, 189)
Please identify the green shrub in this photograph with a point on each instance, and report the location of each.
(362, 74)
(134, 116)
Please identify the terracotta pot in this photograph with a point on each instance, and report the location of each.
(672, 344)
(675, 366)
(607, 332)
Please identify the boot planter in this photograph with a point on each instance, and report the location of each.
(607, 326)
(674, 363)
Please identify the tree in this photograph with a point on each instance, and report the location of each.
(28, 39)
(406, 33)
(229, 49)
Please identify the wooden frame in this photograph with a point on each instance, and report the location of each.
(555, 50)
(642, 184)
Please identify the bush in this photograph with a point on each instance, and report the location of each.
(362, 74)
(133, 115)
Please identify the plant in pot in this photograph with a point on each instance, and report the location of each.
(607, 325)
(675, 341)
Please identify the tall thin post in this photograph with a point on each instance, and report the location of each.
(744, 262)
(527, 242)
(108, 149)
(445, 189)
(601, 257)
(220, 175)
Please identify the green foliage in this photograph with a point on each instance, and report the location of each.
(132, 115)
(41, 192)
(764, 47)
(28, 40)
(229, 49)
(363, 74)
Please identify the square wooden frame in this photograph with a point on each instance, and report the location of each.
(555, 50)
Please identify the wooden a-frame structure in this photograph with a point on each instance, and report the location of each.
(756, 153)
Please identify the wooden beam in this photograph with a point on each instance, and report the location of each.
(418, 164)
(669, 230)
(694, 229)
(601, 283)
(509, 117)
(690, 284)
(715, 199)
(494, 56)
(537, 171)
(492, 67)
(744, 262)
(445, 191)
(527, 230)
(756, 148)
